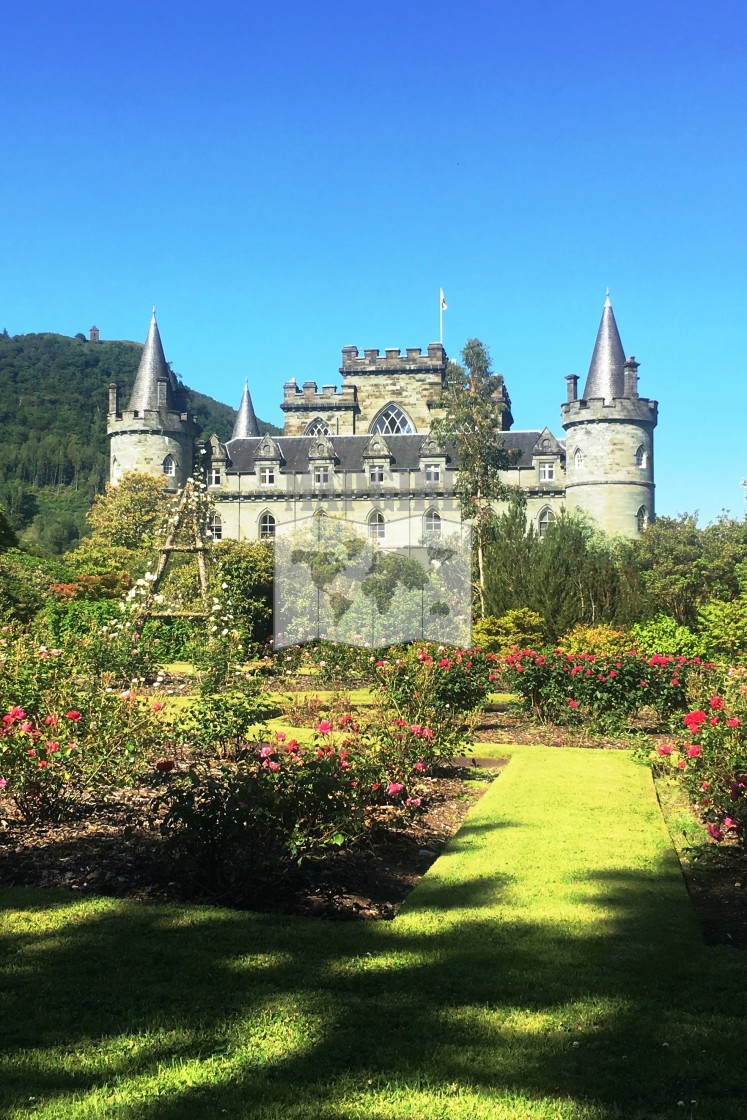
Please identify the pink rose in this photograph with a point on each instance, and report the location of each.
(395, 788)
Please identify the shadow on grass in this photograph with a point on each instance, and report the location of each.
(269, 1016)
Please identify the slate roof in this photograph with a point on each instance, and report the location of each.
(349, 450)
(246, 422)
(151, 370)
(606, 378)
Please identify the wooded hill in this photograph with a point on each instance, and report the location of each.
(54, 452)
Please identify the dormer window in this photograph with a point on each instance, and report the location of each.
(267, 476)
(432, 472)
(376, 473)
(214, 478)
(169, 466)
(321, 476)
(640, 457)
(547, 472)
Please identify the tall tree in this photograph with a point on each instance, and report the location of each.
(470, 408)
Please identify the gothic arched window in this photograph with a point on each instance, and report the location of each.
(640, 456)
(432, 523)
(376, 526)
(578, 459)
(642, 519)
(392, 421)
(215, 526)
(545, 520)
(169, 466)
(266, 527)
(317, 427)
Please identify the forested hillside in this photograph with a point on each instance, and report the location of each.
(54, 451)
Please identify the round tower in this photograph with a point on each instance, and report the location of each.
(610, 439)
(154, 434)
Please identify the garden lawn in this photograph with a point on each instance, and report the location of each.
(547, 966)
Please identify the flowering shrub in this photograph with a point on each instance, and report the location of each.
(48, 762)
(603, 691)
(278, 802)
(711, 762)
(219, 725)
(433, 693)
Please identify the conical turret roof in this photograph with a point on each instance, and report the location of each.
(151, 369)
(246, 422)
(606, 378)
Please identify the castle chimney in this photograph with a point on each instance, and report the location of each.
(571, 383)
(113, 399)
(630, 378)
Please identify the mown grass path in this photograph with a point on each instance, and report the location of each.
(548, 966)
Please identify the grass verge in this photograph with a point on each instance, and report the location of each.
(548, 966)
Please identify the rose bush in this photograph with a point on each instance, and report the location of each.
(710, 760)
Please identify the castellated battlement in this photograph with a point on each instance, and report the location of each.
(309, 396)
(639, 410)
(393, 361)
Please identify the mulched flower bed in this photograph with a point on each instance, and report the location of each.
(107, 849)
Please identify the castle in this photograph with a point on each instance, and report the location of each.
(365, 452)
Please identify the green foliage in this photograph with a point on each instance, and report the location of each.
(246, 570)
(126, 523)
(8, 537)
(601, 640)
(663, 634)
(723, 627)
(219, 725)
(520, 627)
(55, 389)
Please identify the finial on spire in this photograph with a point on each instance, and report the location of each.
(607, 299)
(153, 312)
(246, 422)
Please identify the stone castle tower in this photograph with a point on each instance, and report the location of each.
(609, 470)
(154, 434)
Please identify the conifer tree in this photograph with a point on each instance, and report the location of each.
(470, 419)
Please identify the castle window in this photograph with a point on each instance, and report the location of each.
(640, 457)
(317, 427)
(432, 524)
(544, 521)
(432, 472)
(578, 459)
(376, 473)
(642, 519)
(266, 527)
(392, 421)
(215, 526)
(169, 466)
(214, 476)
(267, 476)
(321, 476)
(547, 472)
(376, 526)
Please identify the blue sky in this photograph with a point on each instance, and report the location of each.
(285, 181)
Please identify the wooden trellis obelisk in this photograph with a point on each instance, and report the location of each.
(186, 518)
